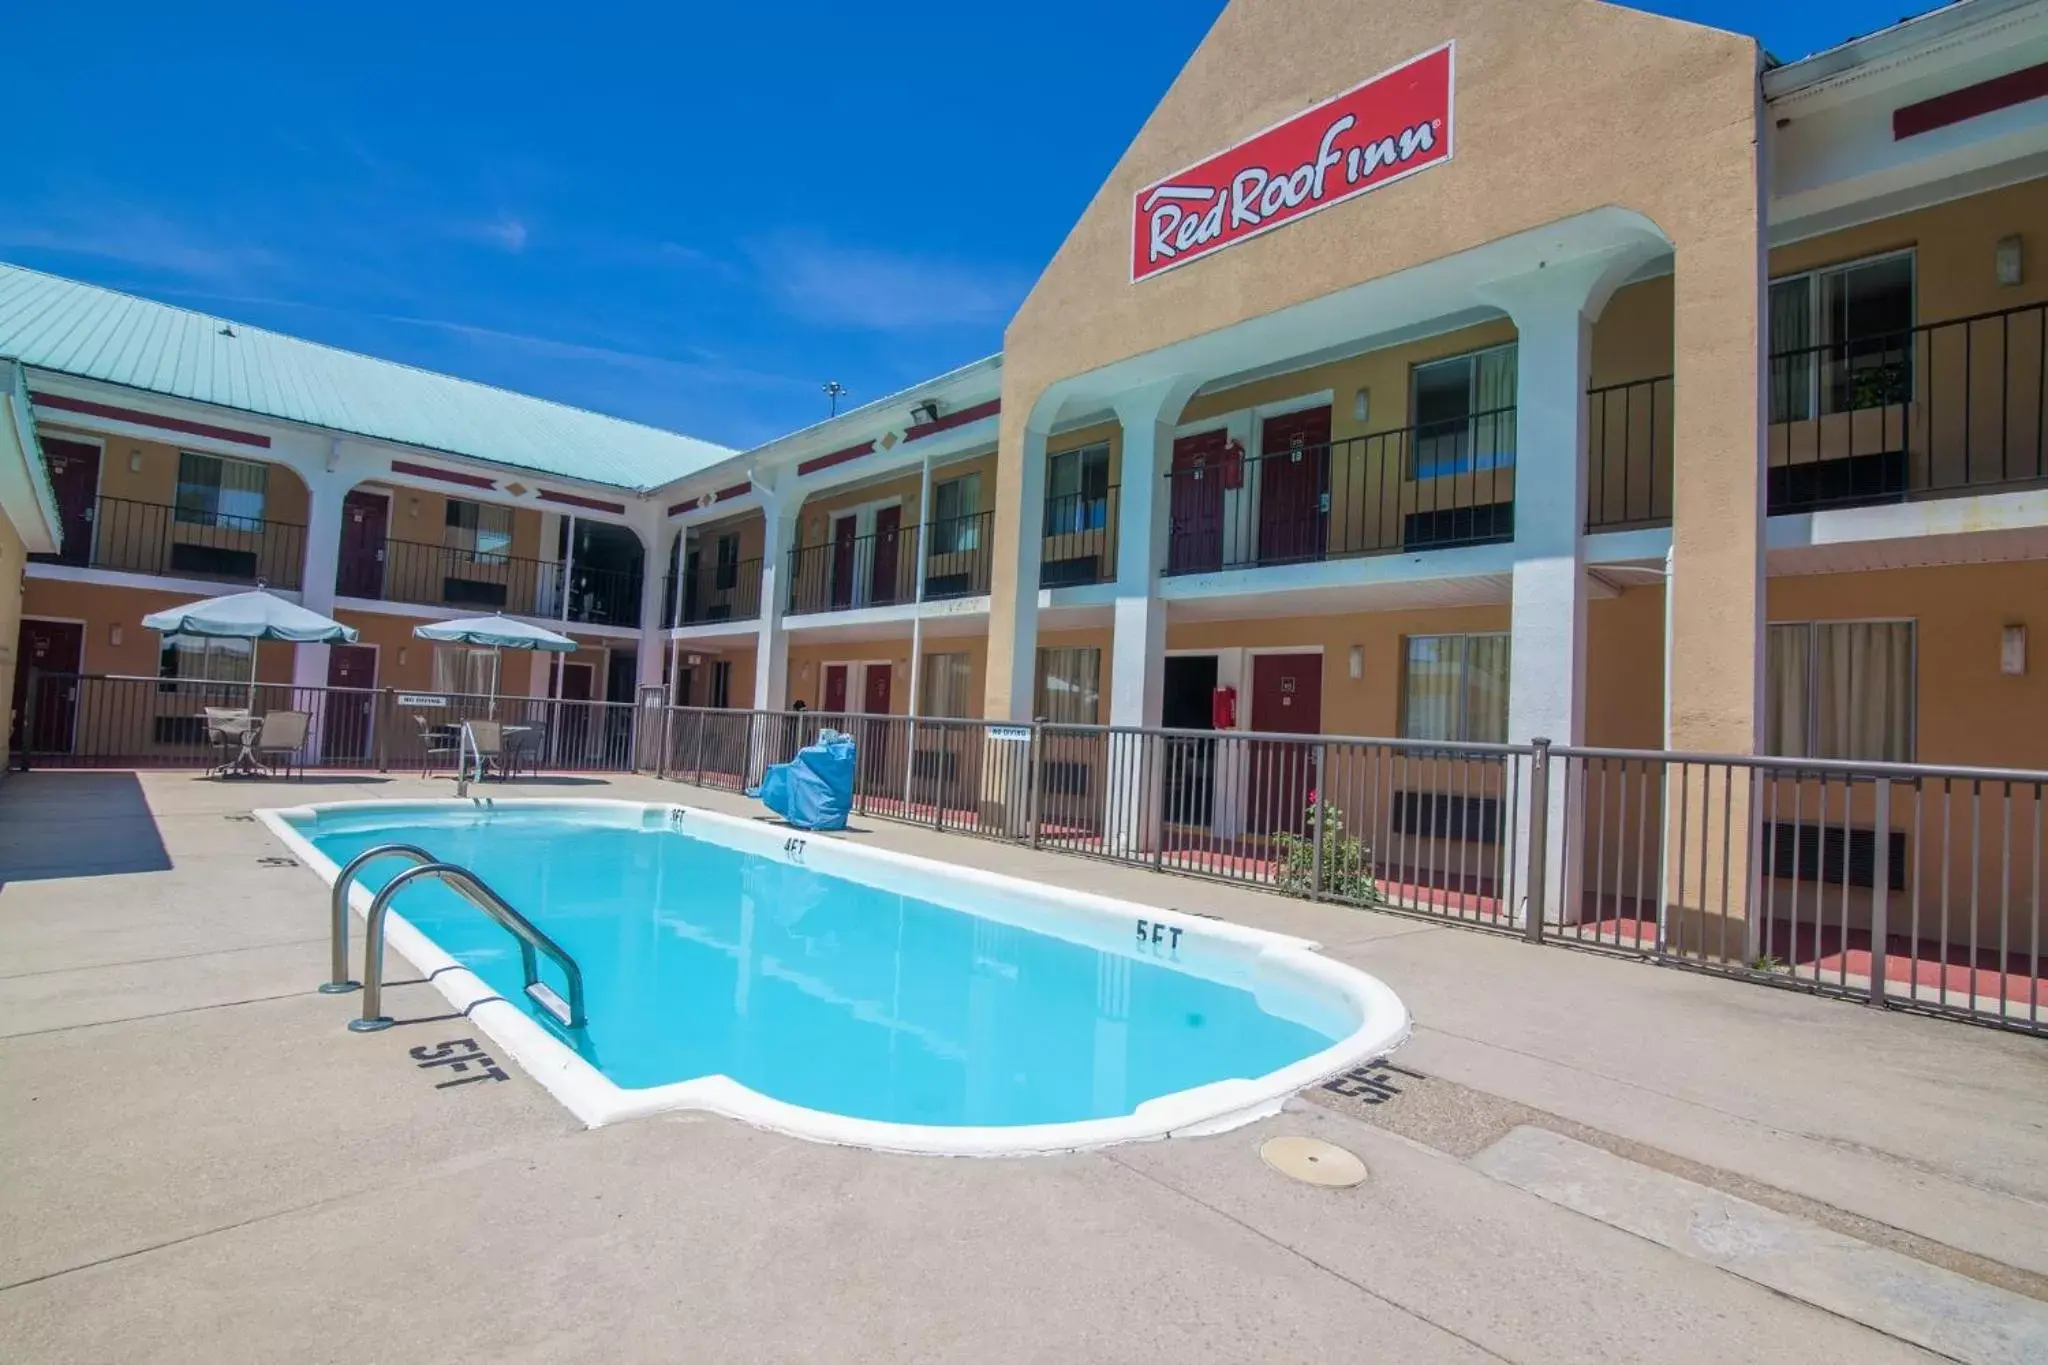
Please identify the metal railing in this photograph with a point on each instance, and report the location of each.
(160, 539)
(1628, 454)
(71, 720)
(452, 576)
(1935, 410)
(1080, 540)
(715, 593)
(1430, 486)
(1766, 869)
(880, 569)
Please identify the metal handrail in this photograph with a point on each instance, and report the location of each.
(338, 982)
(472, 889)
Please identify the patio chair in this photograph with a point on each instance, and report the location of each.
(282, 738)
(522, 751)
(436, 739)
(487, 742)
(224, 726)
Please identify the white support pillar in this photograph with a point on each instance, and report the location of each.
(678, 559)
(321, 560)
(1553, 309)
(1020, 705)
(649, 663)
(771, 642)
(1137, 669)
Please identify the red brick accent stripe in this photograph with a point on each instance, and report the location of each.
(738, 490)
(422, 471)
(955, 419)
(1972, 101)
(149, 419)
(811, 466)
(578, 500)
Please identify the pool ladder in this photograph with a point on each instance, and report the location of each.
(471, 888)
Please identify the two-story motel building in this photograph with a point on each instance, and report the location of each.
(1454, 370)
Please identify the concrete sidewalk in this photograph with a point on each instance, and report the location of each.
(202, 1164)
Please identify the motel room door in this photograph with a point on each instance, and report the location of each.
(346, 733)
(56, 648)
(365, 520)
(572, 730)
(845, 541)
(75, 479)
(1196, 542)
(876, 685)
(833, 701)
(882, 588)
(1294, 487)
(1287, 698)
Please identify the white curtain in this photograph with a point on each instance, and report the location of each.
(945, 686)
(1455, 688)
(195, 658)
(1486, 689)
(458, 668)
(1493, 394)
(1069, 689)
(1840, 689)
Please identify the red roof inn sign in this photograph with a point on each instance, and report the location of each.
(1373, 134)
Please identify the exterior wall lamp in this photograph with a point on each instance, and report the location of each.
(925, 413)
(2011, 263)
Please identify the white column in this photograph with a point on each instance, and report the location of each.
(318, 566)
(771, 643)
(648, 662)
(1023, 641)
(1137, 666)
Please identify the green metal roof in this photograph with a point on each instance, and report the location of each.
(51, 323)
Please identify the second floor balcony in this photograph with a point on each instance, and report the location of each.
(1080, 540)
(165, 540)
(729, 591)
(880, 568)
(1430, 486)
(487, 581)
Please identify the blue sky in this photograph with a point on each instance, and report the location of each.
(688, 214)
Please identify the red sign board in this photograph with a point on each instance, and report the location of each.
(1373, 134)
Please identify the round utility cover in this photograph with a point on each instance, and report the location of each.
(1312, 1161)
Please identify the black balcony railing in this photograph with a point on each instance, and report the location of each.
(1628, 455)
(880, 569)
(720, 592)
(1936, 410)
(1431, 486)
(453, 576)
(1080, 540)
(155, 538)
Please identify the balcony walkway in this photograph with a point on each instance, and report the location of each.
(206, 1166)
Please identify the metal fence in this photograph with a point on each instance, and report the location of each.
(1769, 869)
(70, 720)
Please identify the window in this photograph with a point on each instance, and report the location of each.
(482, 530)
(1455, 688)
(955, 527)
(945, 686)
(728, 563)
(459, 668)
(1840, 689)
(1077, 490)
(1069, 688)
(721, 683)
(1464, 414)
(194, 658)
(1842, 338)
(213, 491)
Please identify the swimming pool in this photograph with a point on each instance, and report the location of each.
(837, 991)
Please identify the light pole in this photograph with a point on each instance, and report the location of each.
(833, 388)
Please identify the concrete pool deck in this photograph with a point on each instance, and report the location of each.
(201, 1163)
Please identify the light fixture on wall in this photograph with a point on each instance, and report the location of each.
(923, 414)
(2012, 651)
(114, 633)
(2011, 264)
(134, 462)
(1357, 662)
(412, 507)
(1361, 405)
(401, 656)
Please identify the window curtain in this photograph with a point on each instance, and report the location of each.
(1863, 690)
(1791, 332)
(954, 504)
(945, 686)
(1493, 396)
(1788, 667)
(213, 491)
(460, 669)
(194, 658)
(1069, 690)
(1486, 690)
(1430, 700)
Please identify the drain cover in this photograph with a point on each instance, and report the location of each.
(1312, 1161)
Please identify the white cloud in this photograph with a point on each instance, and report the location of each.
(138, 237)
(822, 282)
(505, 232)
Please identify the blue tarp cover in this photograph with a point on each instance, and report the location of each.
(814, 790)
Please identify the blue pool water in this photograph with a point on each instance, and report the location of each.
(823, 992)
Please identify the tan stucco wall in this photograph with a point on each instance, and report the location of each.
(1663, 120)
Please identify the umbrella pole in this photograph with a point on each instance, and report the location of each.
(255, 649)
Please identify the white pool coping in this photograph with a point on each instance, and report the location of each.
(1254, 956)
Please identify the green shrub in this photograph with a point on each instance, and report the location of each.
(1347, 862)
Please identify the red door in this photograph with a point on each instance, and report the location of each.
(1196, 542)
(1287, 698)
(572, 729)
(1294, 487)
(882, 588)
(835, 690)
(844, 538)
(55, 649)
(365, 520)
(75, 479)
(345, 734)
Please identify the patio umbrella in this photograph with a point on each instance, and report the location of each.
(498, 633)
(253, 616)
